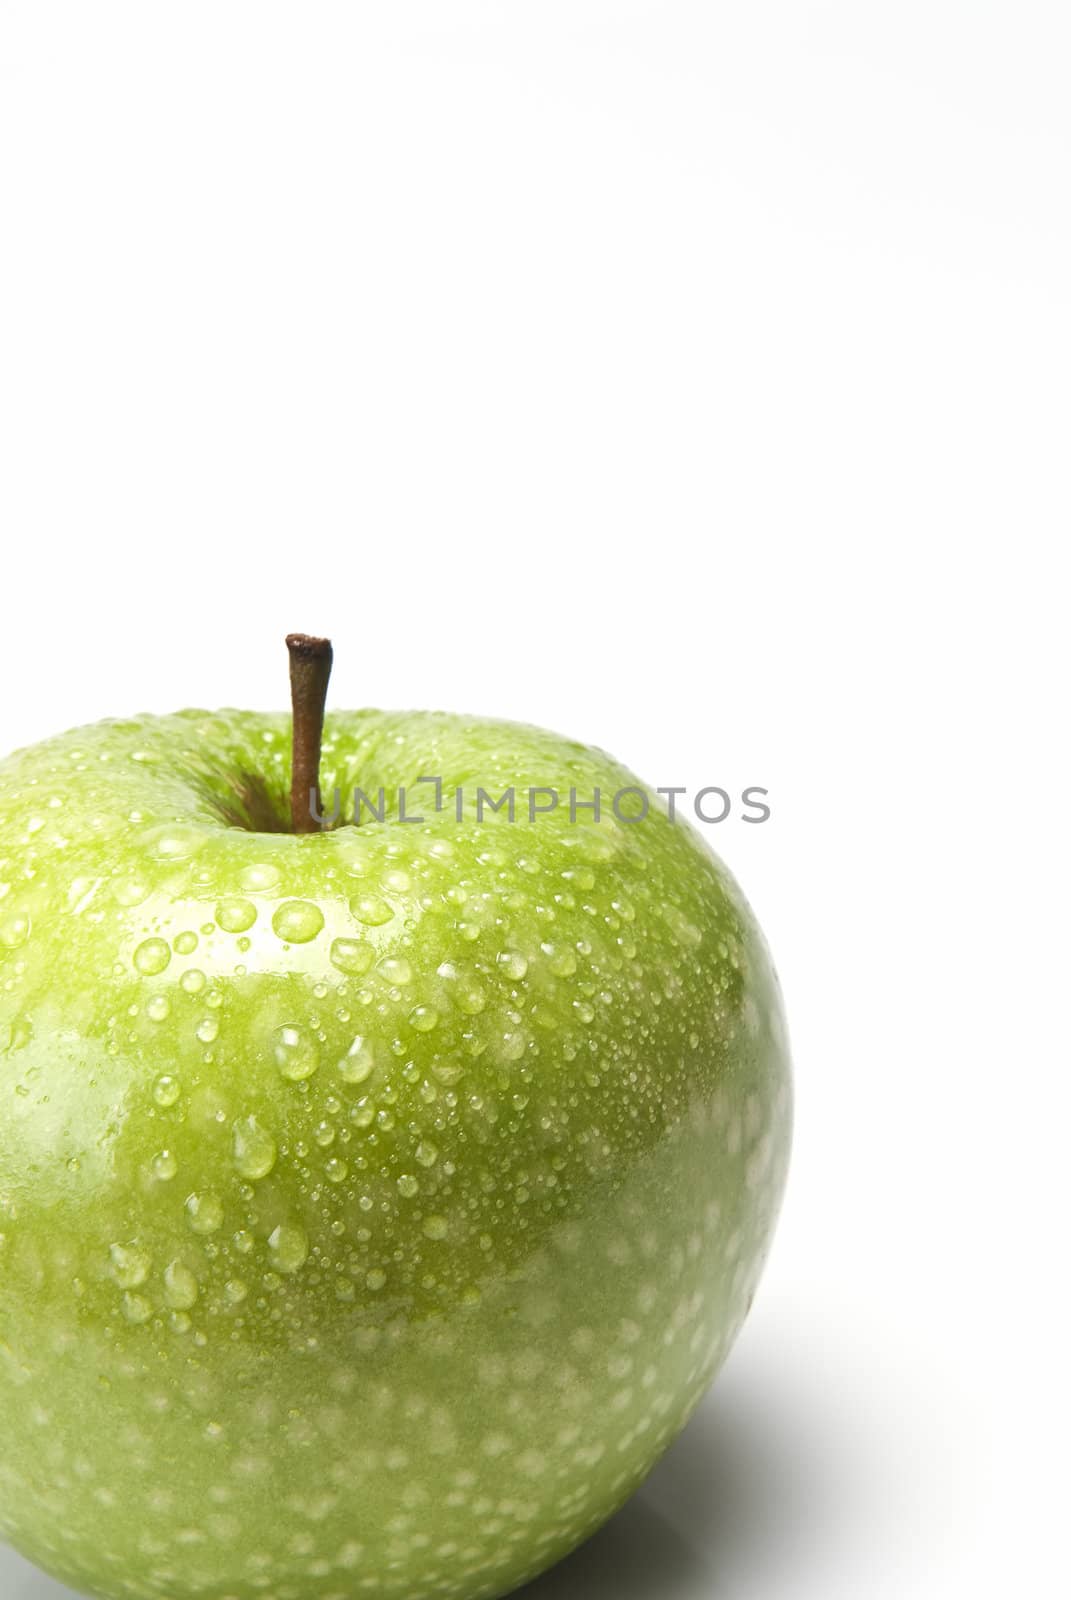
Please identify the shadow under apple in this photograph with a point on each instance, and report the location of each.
(738, 1499)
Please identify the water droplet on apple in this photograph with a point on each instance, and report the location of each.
(192, 981)
(166, 1090)
(130, 1266)
(513, 1045)
(560, 959)
(683, 931)
(426, 1153)
(371, 910)
(408, 1186)
(173, 842)
(254, 1149)
(180, 1287)
(186, 942)
(16, 1035)
(158, 1008)
(297, 1054)
(208, 1029)
(289, 1247)
(235, 1291)
(424, 1018)
(297, 921)
(164, 1166)
(235, 916)
(471, 998)
(396, 970)
(136, 1309)
(356, 1065)
(435, 1227)
(152, 956)
(351, 956)
(337, 1170)
(204, 1212)
(260, 877)
(14, 931)
(128, 892)
(513, 964)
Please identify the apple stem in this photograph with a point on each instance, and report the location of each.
(310, 668)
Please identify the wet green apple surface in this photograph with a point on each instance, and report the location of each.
(376, 1204)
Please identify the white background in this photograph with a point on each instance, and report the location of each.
(693, 378)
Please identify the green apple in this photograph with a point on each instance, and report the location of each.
(376, 1203)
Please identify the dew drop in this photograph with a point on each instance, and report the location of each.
(289, 1247)
(351, 955)
(192, 981)
(296, 1052)
(370, 910)
(337, 1170)
(683, 931)
(164, 1166)
(259, 877)
(472, 999)
(174, 842)
(513, 964)
(235, 916)
(435, 1227)
(560, 959)
(204, 1212)
(129, 892)
(152, 956)
(297, 921)
(158, 1008)
(14, 931)
(396, 970)
(408, 1186)
(513, 1046)
(254, 1149)
(208, 1029)
(180, 1287)
(16, 1036)
(186, 942)
(426, 1153)
(136, 1308)
(130, 1265)
(166, 1090)
(424, 1018)
(356, 1065)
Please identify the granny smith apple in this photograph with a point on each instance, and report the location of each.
(376, 1201)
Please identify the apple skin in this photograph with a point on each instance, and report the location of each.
(289, 1317)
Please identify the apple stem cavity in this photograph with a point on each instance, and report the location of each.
(310, 669)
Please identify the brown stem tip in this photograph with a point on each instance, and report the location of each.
(310, 669)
